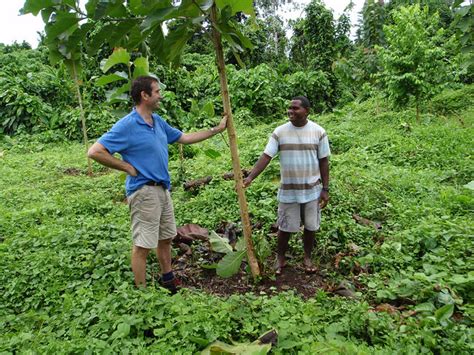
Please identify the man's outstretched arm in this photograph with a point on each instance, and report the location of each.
(101, 155)
(194, 137)
(259, 166)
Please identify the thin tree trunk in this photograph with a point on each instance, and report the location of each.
(181, 164)
(83, 118)
(244, 215)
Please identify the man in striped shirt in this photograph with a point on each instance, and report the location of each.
(304, 168)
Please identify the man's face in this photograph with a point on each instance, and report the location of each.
(154, 99)
(297, 113)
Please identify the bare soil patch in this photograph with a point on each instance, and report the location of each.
(292, 278)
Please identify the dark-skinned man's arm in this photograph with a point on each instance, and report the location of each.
(259, 166)
(324, 169)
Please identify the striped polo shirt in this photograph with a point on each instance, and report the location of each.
(299, 149)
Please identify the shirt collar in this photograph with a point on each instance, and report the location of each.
(139, 119)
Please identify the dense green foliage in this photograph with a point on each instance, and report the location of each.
(30, 88)
(319, 61)
(64, 236)
(67, 286)
(414, 61)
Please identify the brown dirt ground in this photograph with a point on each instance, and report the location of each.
(292, 278)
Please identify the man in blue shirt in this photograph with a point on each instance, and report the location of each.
(142, 139)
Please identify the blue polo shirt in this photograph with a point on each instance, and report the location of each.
(145, 147)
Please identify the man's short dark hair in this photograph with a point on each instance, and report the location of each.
(142, 83)
(304, 101)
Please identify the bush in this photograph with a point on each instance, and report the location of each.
(315, 85)
(99, 120)
(258, 89)
(453, 101)
(19, 109)
(29, 90)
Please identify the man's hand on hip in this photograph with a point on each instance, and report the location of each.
(131, 170)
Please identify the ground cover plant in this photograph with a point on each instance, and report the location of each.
(395, 250)
(397, 234)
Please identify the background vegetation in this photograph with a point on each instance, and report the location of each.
(397, 104)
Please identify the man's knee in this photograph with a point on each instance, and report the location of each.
(165, 242)
(140, 252)
(309, 233)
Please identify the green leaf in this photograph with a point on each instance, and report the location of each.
(134, 38)
(123, 330)
(157, 40)
(209, 266)
(75, 69)
(469, 185)
(425, 307)
(208, 108)
(219, 347)
(445, 297)
(205, 4)
(188, 8)
(113, 34)
(118, 95)
(241, 245)
(137, 8)
(157, 17)
(116, 9)
(64, 22)
(194, 109)
(463, 11)
(46, 14)
(107, 79)
(200, 341)
(288, 344)
(444, 313)
(219, 244)
(230, 264)
(245, 6)
(211, 153)
(239, 60)
(119, 56)
(461, 279)
(175, 42)
(35, 6)
(141, 67)
(96, 9)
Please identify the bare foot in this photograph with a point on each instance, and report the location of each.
(309, 268)
(280, 265)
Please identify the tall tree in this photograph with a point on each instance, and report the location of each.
(372, 19)
(270, 42)
(64, 39)
(441, 7)
(314, 38)
(342, 32)
(414, 66)
(463, 26)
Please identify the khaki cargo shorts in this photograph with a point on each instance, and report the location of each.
(152, 216)
(292, 215)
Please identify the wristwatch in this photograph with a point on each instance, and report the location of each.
(326, 189)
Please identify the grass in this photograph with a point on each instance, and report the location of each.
(66, 284)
